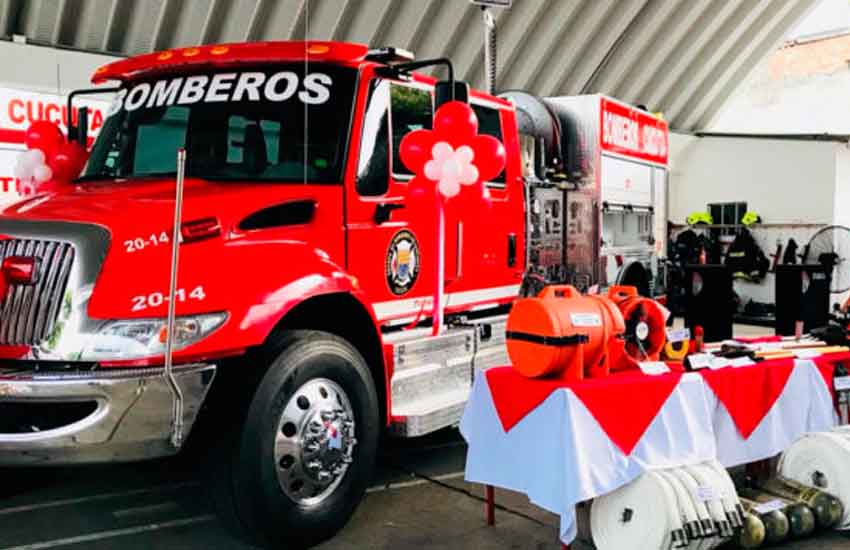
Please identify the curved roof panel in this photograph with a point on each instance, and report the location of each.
(681, 57)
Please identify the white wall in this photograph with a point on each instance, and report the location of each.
(784, 181)
(42, 69)
(796, 105)
(841, 215)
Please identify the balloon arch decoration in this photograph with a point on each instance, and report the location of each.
(50, 160)
(450, 164)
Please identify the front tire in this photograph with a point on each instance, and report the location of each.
(307, 450)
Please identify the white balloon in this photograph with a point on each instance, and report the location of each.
(468, 174)
(432, 170)
(22, 170)
(449, 187)
(451, 168)
(42, 173)
(441, 151)
(34, 157)
(464, 154)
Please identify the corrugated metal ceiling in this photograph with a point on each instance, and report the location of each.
(681, 57)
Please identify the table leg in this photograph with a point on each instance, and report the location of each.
(490, 504)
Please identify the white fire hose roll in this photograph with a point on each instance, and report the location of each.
(728, 495)
(691, 486)
(676, 537)
(636, 516)
(686, 509)
(707, 484)
(662, 509)
(731, 490)
(822, 460)
(686, 487)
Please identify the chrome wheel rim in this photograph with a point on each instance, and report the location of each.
(314, 444)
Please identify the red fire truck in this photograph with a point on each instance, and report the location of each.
(303, 296)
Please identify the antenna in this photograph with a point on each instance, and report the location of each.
(176, 391)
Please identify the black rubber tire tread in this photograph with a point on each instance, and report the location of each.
(262, 507)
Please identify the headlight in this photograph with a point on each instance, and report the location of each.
(139, 338)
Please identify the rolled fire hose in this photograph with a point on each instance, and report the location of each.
(713, 502)
(717, 539)
(731, 491)
(634, 517)
(821, 459)
(704, 525)
(708, 529)
(711, 513)
(728, 499)
(676, 537)
(686, 508)
(775, 522)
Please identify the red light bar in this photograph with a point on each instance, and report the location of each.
(194, 58)
(20, 270)
(199, 230)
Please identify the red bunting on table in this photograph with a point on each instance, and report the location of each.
(623, 404)
(826, 366)
(758, 339)
(748, 393)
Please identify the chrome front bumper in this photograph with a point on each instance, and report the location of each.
(131, 416)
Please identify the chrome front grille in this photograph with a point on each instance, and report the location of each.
(28, 312)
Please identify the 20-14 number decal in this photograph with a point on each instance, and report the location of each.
(156, 299)
(140, 243)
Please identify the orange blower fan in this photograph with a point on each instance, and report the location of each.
(645, 327)
(562, 333)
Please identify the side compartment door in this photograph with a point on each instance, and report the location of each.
(389, 249)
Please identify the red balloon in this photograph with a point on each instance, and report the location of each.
(415, 149)
(456, 123)
(43, 135)
(490, 156)
(67, 161)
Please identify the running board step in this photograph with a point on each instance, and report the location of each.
(432, 375)
(428, 415)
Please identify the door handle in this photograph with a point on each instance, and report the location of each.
(511, 250)
(384, 209)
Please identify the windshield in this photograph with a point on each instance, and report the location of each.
(281, 123)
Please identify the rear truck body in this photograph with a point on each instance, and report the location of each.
(302, 276)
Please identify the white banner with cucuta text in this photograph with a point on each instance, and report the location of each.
(19, 109)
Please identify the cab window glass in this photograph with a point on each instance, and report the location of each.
(411, 109)
(490, 123)
(159, 135)
(268, 130)
(373, 169)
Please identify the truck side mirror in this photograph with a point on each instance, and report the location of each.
(450, 90)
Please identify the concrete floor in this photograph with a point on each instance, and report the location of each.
(418, 500)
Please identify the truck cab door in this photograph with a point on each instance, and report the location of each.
(485, 250)
(389, 250)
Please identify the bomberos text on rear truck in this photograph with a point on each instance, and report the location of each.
(320, 298)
